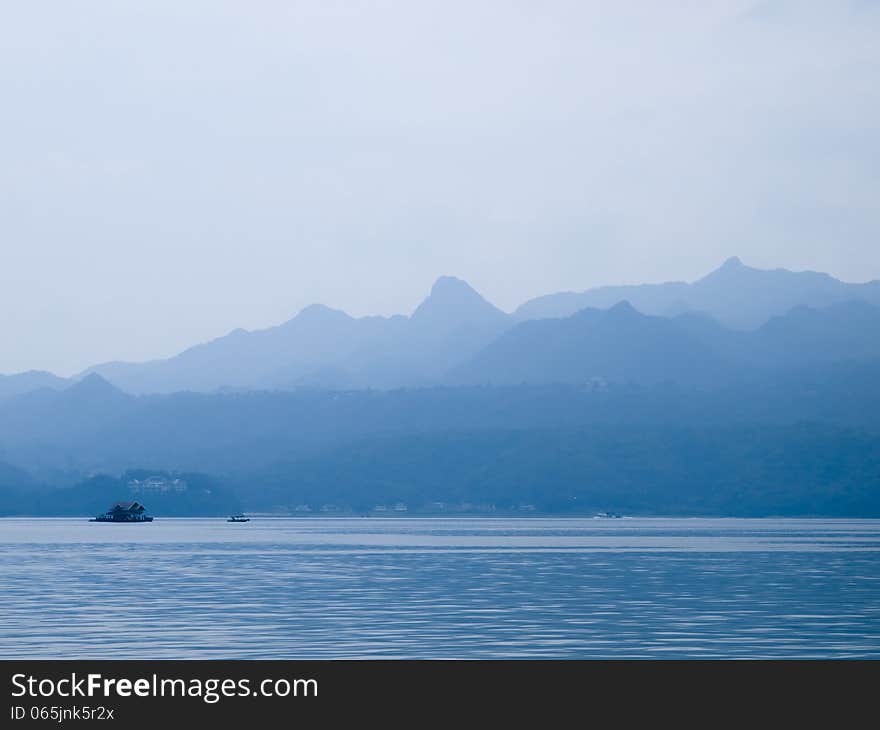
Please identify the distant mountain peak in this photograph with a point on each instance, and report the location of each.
(623, 307)
(731, 267)
(450, 285)
(319, 313)
(731, 271)
(93, 385)
(315, 309)
(623, 314)
(453, 301)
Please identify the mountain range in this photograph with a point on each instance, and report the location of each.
(623, 345)
(736, 317)
(462, 404)
(806, 443)
(323, 347)
(13, 385)
(736, 295)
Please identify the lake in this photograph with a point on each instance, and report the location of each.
(440, 588)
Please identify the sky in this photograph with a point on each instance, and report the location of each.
(172, 171)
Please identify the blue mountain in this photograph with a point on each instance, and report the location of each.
(736, 295)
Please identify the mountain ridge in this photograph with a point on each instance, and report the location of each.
(325, 347)
(737, 295)
(621, 344)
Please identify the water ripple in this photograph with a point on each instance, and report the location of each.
(420, 588)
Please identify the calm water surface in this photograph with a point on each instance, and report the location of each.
(456, 588)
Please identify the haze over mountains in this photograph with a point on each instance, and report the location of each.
(323, 347)
(623, 345)
(736, 295)
(12, 385)
(466, 407)
(694, 334)
(808, 443)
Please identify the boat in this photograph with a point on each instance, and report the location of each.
(607, 516)
(240, 517)
(124, 512)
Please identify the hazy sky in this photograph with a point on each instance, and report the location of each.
(172, 170)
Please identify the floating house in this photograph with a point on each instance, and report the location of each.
(125, 512)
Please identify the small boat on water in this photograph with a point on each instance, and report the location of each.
(124, 512)
(607, 516)
(239, 518)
